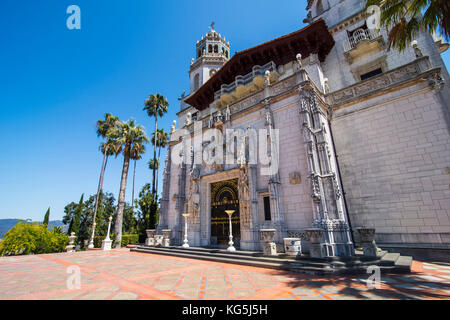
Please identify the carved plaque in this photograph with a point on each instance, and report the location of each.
(295, 178)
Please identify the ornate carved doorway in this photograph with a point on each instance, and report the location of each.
(224, 196)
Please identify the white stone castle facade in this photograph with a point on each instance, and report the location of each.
(363, 138)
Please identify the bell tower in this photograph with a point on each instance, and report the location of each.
(212, 51)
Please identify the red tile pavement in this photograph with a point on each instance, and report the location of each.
(121, 274)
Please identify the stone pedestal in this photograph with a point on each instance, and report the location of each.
(292, 246)
(166, 237)
(367, 238)
(70, 247)
(150, 241)
(269, 247)
(158, 240)
(315, 235)
(106, 244)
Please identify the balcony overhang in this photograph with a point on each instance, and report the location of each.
(313, 39)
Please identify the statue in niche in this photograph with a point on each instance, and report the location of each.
(244, 196)
(228, 114)
(211, 120)
(194, 193)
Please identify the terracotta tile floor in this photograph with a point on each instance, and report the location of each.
(121, 274)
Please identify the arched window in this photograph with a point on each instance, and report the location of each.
(210, 48)
(199, 53)
(226, 53)
(196, 81)
(216, 49)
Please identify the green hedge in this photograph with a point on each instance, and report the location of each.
(126, 239)
(26, 238)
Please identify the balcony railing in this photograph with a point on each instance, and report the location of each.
(358, 36)
(257, 71)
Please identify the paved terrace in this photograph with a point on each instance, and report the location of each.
(121, 274)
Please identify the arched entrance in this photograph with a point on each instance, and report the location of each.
(224, 196)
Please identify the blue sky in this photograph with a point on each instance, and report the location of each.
(56, 83)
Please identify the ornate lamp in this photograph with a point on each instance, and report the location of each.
(230, 248)
(185, 244)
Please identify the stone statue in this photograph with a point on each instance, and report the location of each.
(416, 48)
(267, 78)
(211, 120)
(244, 196)
(299, 60)
(172, 127)
(228, 114)
(188, 119)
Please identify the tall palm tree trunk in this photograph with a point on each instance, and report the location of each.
(99, 189)
(154, 151)
(121, 204)
(157, 171)
(132, 192)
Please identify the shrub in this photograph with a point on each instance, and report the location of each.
(26, 238)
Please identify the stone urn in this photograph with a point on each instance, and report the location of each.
(269, 247)
(150, 241)
(166, 237)
(70, 247)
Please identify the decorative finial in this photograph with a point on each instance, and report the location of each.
(267, 78)
(212, 26)
(325, 84)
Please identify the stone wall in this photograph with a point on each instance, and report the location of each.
(394, 151)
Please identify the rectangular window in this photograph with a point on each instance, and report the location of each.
(267, 214)
(371, 74)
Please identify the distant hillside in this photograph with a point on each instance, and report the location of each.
(7, 224)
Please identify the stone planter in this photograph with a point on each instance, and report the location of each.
(292, 246)
(367, 238)
(166, 237)
(150, 241)
(315, 235)
(269, 247)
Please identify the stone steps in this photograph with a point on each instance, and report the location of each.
(331, 265)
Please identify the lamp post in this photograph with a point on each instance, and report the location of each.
(185, 244)
(230, 248)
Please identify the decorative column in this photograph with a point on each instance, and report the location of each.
(274, 180)
(71, 246)
(150, 241)
(186, 241)
(328, 206)
(269, 247)
(106, 243)
(165, 197)
(166, 237)
(230, 248)
(367, 238)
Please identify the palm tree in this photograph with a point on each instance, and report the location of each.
(129, 139)
(103, 127)
(405, 18)
(155, 106)
(135, 155)
(162, 138)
